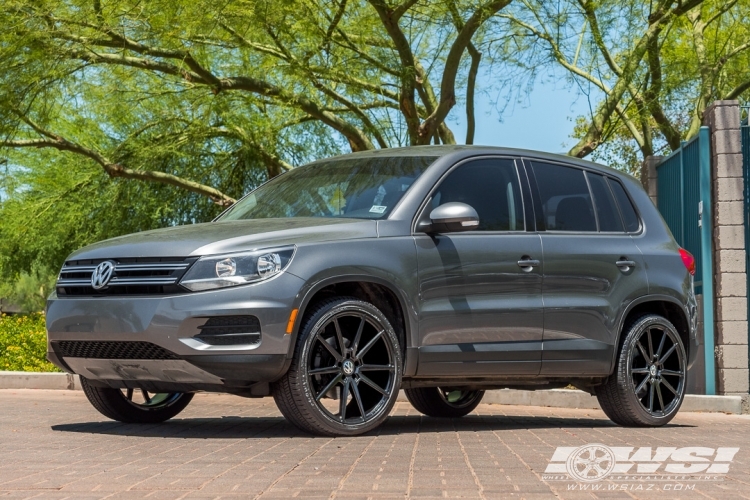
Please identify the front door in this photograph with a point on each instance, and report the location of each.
(480, 292)
(592, 268)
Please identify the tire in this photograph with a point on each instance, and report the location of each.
(648, 384)
(354, 352)
(444, 402)
(121, 405)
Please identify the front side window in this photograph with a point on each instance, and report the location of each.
(490, 186)
(352, 187)
(565, 198)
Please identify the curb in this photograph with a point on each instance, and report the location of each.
(38, 380)
(567, 398)
(555, 398)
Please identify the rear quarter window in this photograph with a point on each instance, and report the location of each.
(604, 201)
(629, 214)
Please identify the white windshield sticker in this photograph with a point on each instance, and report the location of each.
(378, 209)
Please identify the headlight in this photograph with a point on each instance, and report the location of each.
(218, 271)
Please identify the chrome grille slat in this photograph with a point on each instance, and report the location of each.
(77, 269)
(73, 282)
(149, 267)
(142, 281)
(76, 275)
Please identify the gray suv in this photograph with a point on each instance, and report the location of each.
(441, 270)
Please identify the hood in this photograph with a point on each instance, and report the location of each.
(230, 236)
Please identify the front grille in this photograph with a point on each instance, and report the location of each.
(135, 276)
(230, 330)
(112, 350)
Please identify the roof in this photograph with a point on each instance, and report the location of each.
(470, 150)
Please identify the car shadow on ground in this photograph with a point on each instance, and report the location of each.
(235, 427)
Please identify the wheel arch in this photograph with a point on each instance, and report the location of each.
(379, 292)
(663, 305)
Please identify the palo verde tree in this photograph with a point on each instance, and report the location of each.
(119, 83)
(118, 115)
(650, 69)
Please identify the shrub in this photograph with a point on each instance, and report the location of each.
(23, 344)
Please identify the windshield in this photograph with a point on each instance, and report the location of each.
(362, 188)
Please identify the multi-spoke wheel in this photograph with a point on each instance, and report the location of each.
(444, 402)
(346, 370)
(136, 406)
(648, 385)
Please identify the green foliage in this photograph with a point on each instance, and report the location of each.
(30, 290)
(23, 344)
(649, 69)
(123, 116)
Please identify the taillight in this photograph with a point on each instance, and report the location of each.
(688, 260)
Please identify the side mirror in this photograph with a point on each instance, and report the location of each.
(453, 218)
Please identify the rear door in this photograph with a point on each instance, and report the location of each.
(480, 311)
(592, 268)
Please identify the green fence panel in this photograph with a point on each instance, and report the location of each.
(684, 200)
(745, 134)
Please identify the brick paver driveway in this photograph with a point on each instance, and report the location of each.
(54, 445)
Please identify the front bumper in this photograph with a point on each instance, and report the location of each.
(171, 323)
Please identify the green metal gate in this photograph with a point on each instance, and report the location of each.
(745, 134)
(684, 200)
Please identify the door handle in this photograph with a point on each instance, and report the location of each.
(527, 264)
(625, 265)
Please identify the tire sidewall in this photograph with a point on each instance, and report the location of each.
(301, 361)
(625, 382)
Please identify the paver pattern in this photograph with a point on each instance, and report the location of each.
(53, 444)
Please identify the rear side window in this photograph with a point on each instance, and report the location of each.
(565, 198)
(629, 215)
(604, 201)
(491, 187)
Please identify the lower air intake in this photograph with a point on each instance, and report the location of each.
(230, 330)
(112, 350)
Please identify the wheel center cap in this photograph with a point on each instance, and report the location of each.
(348, 367)
(652, 370)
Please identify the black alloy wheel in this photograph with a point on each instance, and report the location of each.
(648, 384)
(347, 367)
(657, 370)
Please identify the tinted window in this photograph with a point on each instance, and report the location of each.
(629, 215)
(358, 187)
(565, 198)
(606, 208)
(489, 186)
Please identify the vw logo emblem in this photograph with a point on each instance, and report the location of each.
(102, 275)
(348, 367)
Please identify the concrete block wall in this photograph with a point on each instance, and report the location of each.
(730, 309)
(649, 178)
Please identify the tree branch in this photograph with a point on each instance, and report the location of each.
(452, 62)
(356, 138)
(389, 18)
(114, 169)
(476, 58)
(661, 16)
